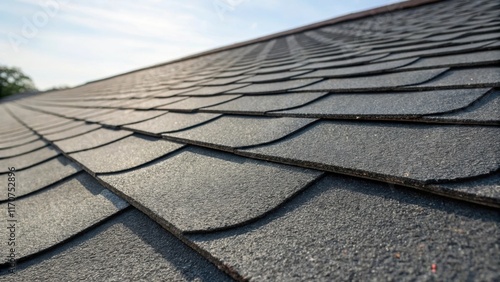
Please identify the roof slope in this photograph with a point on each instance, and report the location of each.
(363, 148)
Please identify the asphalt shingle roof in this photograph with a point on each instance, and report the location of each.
(363, 147)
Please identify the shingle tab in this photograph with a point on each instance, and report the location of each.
(120, 118)
(40, 176)
(75, 204)
(58, 129)
(439, 51)
(390, 104)
(274, 87)
(358, 70)
(262, 104)
(23, 149)
(273, 76)
(364, 230)
(171, 122)
(485, 110)
(199, 189)
(91, 140)
(470, 59)
(124, 154)
(382, 81)
(343, 63)
(151, 103)
(213, 90)
(18, 142)
(241, 131)
(394, 152)
(472, 77)
(157, 255)
(28, 159)
(194, 103)
(79, 130)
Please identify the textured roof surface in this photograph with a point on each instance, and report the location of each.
(361, 148)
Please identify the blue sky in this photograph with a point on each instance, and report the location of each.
(70, 42)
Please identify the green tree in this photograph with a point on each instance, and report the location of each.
(13, 81)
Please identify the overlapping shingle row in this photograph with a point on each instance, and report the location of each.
(288, 159)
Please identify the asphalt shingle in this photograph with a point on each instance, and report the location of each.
(194, 103)
(395, 152)
(486, 110)
(130, 247)
(358, 70)
(171, 122)
(200, 189)
(274, 87)
(91, 140)
(363, 230)
(126, 153)
(266, 103)
(40, 176)
(27, 160)
(23, 149)
(56, 214)
(382, 81)
(240, 131)
(76, 131)
(390, 104)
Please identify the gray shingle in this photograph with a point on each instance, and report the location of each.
(470, 59)
(471, 77)
(171, 122)
(483, 190)
(66, 127)
(19, 150)
(224, 81)
(439, 51)
(213, 90)
(241, 131)
(124, 154)
(150, 103)
(28, 159)
(363, 230)
(261, 104)
(273, 76)
(40, 176)
(382, 81)
(91, 140)
(125, 117)
(18, 142)
(79, 130)
(157, 256)
(396, 152)
(485, 110)
(358, 70)
(169, 92)
(274, 87)
(50, 217)
(194, 103)
(199, 189)
(281, 68)
(390, 104)
(343, 63)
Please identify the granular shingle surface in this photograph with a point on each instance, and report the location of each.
(241, 131)
(201, 189)
(124, 154)
(359, 229)
(365, 147)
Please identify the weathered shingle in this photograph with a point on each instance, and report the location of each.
(233, 152)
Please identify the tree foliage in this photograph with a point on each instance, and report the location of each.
(13, 81)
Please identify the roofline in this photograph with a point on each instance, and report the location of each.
(349, 17)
